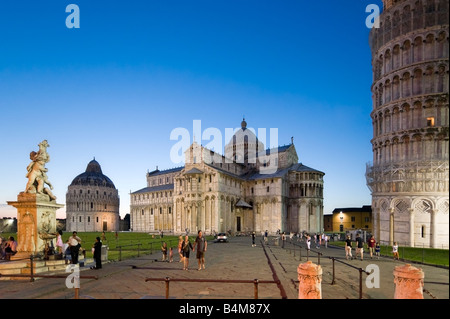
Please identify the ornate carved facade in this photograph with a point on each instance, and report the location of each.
(409, 176)
(92, 202)
(217, 193)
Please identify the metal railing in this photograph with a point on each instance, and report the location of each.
(32, 274)
(361, 271)
(255, 283)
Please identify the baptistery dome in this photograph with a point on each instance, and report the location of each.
(93, 176)
(92, 201)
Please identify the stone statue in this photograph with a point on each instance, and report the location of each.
(37, 177)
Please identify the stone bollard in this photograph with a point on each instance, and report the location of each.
(408, 282)
(310, 281)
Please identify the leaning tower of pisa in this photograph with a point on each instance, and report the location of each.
(409, 175)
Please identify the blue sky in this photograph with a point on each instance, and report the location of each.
(115, 88)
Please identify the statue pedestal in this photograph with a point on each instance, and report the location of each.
(36, 223)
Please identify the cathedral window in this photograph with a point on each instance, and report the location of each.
(160, 210)
(151, 211)
(170, 210)
(252, 190)
(92, 205)
(430, 121)
(80, 219)
(89, 219)
(268, 188)
(97, 219)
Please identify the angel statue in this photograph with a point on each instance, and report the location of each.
(37, 177)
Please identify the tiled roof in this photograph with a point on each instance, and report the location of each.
(158, 188)
(194, 171)
(167, 171)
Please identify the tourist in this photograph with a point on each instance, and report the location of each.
(200, 243)
(180, 251)
(283, 239)
(371, 245)
(67, 253)
(395, 251)
(2, 247)
(74, 244)
(97, 249)
(326, 238)
(359, 246)
(348, 248)
(170, 254)
(266, 234)
(59, 242)
(377, 250)
(186, 247)
(164, 251)
(308, 242)
(253, 239)
(10, 248)
(103, 239)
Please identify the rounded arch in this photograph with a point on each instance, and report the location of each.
(400, 205)
(423, 205)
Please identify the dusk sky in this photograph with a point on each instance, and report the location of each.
(134, 71)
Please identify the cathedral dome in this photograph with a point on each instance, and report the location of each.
(93, 176)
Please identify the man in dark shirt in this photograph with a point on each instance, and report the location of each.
(200, 244)
(360, 246)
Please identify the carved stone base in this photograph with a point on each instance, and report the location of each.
(36, 223)
(408, 282)
(310, 281)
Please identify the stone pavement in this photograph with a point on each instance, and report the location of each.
(236, 260)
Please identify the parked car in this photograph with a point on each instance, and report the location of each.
(222, 237)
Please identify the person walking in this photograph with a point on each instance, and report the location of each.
(348, 248)
(266, 234)
(395, 251)
(308, 242)
(97, 249)
(371, 244)
(201, 244)
(359, 246)
(180, 251)
(186, 248)
(253, 239)
(164, 251)
(74, 244)
(283, 239)
(377, 250)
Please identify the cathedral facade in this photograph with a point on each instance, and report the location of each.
(92, 202)
(409, 175)
(242, 191)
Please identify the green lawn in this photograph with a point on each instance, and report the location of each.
(127, 244)
(424, 255)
